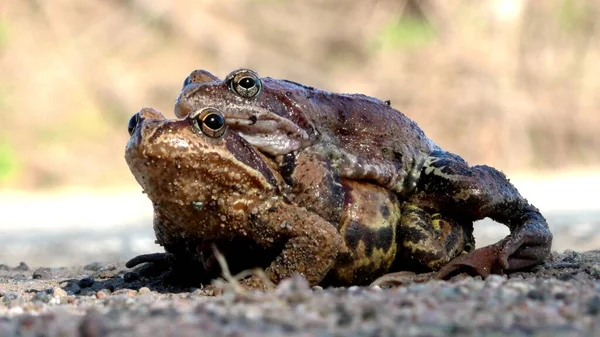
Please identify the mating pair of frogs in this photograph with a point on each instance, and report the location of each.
(341, 188)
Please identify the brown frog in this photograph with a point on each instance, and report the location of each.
(364, 139)
(209, 186)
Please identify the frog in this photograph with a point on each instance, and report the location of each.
(210, 187)
(362, 138)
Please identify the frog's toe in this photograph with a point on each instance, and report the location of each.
(156, 264)
(526, 247)
(156, 258)
(523, 249)
(482, 262)
(401, 278)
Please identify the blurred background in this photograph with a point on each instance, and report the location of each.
(510, 83)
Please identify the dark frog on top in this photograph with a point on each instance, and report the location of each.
(353, 137)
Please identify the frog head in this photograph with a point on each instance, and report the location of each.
(268, 113)
(195, 166)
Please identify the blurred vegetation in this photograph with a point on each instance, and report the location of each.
(509, 83)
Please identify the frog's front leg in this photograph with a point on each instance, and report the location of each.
(315, 184)
(449, 185)
(310, 244)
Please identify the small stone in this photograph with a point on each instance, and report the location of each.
(565, 276)
(126, 292)
(93, 325)
(8, 296)
(87, 292)
(495, 280)
(71, 288)
(41, 296)
(294, 288)
(4, 267)
(144, 290)
(376, 288)
(253, 313)
(94, 266)
(593, 305)
(195, 293)
(102, 293)
(197, 205)
(86, 282)
(109, 285)
(42, 273)
(105, 274)
(22, 267)
(15, 311)
(537, 295)
(131, 277)
(521, 287)
(58, 292)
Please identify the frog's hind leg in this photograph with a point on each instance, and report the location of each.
(431, 240)
(449, 184)
(426, 242)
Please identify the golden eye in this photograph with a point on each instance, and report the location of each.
(245, 83)
(210, 121)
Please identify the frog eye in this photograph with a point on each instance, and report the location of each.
(210, 121)
(245, 83)
(133, 122)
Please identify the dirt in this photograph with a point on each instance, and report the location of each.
(560, 298)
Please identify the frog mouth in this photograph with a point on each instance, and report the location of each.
(270, 133)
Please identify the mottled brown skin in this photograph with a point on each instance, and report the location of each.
(361, 138)
(217, 189)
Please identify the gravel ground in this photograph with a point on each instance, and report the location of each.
(558, 298)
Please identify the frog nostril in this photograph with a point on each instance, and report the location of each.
(133, 122)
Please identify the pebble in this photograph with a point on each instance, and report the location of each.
(8, 296)
(93, 325)
(86, 282)
(127, 292)
(104, 274)
(71, 287)
(87, 292)
(22, 267)
(102, 293)
(58, 292)
(94, 266)
(42, 273)
(593, 305)
(41, 296)
(535, 304)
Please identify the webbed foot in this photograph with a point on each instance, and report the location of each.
(172, 271)
(528, 246)
(158, 264)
